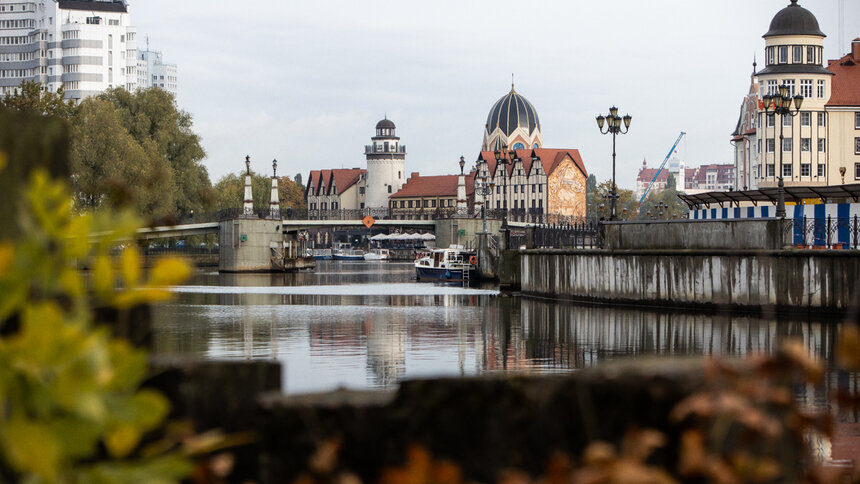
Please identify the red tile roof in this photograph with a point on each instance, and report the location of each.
(434, 186)
(341, 178)
(548, 157)
(647, 174)
(845, 90)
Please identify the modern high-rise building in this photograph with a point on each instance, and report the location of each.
(85, 46)
(152, 71)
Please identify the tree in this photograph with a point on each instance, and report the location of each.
(110, 167)
(231, 192)
(32, 97)
(152, 118)
(598, 202)
(671, 184)
(138, 149)
(298, 179)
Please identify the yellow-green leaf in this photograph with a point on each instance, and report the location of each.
(102, 274)
(122, 439)
(149, 408)
(31, 447)
(7, 253)
(130, 263)
(169, 271)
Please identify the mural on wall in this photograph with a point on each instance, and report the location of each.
(566, 190)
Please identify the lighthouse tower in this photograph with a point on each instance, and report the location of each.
(386, 158)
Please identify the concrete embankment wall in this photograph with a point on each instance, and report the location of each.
(789, 281)
(755, 234)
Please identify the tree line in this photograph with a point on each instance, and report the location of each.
(138, 149)
(628, 207)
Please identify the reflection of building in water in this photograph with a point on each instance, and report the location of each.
(386, 347)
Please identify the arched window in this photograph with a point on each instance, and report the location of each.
(519, 146)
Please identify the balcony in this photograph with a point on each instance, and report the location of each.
(371, 149)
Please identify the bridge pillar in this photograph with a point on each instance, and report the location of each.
(246, 244)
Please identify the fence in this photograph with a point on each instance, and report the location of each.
(821, 232)
(525, 216)
(586, 234)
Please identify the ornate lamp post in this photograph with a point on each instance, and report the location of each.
(248, 164)
(502, 162)
(484, 189)
(462, 164)
(614, 126)
(780, 103)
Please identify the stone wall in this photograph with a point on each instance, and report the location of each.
(245, 244)
(448, 231)
(792, 281)
(696, 234)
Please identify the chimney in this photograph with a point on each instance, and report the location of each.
(855, 50)
(414, 175)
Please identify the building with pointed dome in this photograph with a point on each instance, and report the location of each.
(821, 143)
(512, 122)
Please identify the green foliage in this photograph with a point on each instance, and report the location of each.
(151, 160)
(31, 98)
(298, 179)
(672, 206)
(599, 195)
(73, 407)
(230, 191)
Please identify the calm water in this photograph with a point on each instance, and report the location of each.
(370, 325)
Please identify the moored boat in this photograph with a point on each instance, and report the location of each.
(452, 264)
(349, 254)
(378, 255)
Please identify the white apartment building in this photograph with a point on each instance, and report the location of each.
(85, 46)
(152, 71)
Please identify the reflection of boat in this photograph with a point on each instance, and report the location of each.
(349, 254)
(378, 254)
(449, 264)
(320, 254)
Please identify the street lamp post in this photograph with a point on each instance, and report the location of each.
(614, 126)
(780, 103)
(502, 162)
(484, 189)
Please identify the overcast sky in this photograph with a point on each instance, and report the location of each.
(306, 82)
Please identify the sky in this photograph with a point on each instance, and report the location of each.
(306, 82)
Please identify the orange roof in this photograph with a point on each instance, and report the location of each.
(434, 186)
(341, 178)
(845, 90)
(548, 157)
(647, 174)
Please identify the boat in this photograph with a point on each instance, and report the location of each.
(452, 264)
(348, 254)
(378, 255)
(320, 254)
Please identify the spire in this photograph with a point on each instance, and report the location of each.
(512, 83)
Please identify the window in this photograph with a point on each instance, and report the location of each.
(783, 54)
(426, 203)
(821, 170)
(857, 146)
(534, 189)
(805, 119)
(806, 88)
(771, 87)
(498, 189)
(822, 120)
(797, 54)
(856, 120)
(771, 145)
(820, 89)
(810, 54)
(771, 53)
(786, 170)
(790, 84)
(433, 203)
(402, 203)
(822, 145)
(398, 175)
(857, 171)
(389, 188)
(786, 145)
(410, 203)
(770, 170)
(515, 188)
(805, 169)
(540, 188)
(786, 120)
(805, 144)
(771, 120)
(759, 146)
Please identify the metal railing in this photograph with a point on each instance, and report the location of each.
(582, 235)
(821, 232)
(430, 213)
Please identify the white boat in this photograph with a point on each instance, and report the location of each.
(452, 264)
(378, 254)
(348, 254)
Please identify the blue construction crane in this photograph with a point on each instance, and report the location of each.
(671, 150)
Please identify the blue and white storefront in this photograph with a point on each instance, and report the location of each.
(833, 225)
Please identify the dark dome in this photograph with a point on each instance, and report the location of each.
(385, 124)
(794, 20)
(512, 111)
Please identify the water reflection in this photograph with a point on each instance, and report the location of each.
(363, 325)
